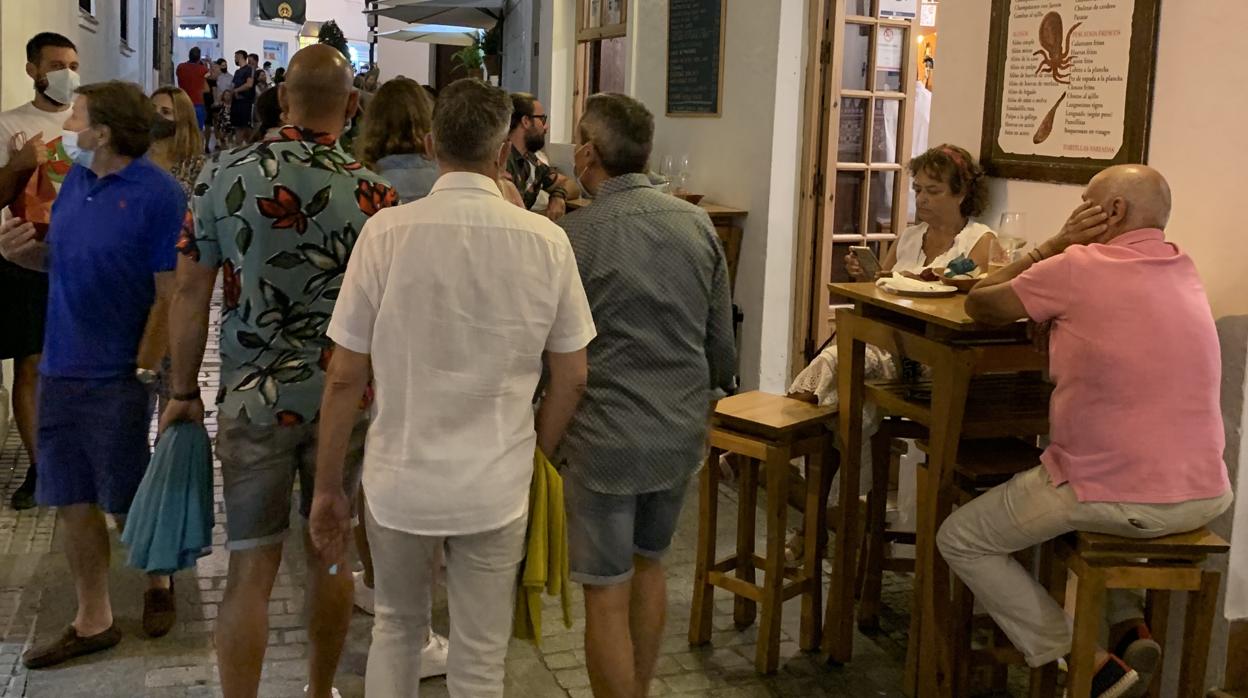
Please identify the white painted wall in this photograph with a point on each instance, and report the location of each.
(99, 48)
(747, 157)
(239, 33)
(1198, 140)
(556, 67)
(407, 58)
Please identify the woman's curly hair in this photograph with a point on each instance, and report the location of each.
(954, 166)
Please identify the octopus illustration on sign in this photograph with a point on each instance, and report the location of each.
(1055, 57)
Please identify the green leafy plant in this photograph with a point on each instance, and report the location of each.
(470, 58)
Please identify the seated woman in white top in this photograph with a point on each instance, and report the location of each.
(949, 189)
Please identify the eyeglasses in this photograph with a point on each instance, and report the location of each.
(543, 117)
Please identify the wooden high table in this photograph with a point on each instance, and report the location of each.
(964, 402)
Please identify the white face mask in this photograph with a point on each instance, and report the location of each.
(586, 193)
(61, 85)
(80, 155)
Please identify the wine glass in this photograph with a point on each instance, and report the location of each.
(682, 174)
(1010, 240)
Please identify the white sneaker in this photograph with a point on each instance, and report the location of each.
(336, 694)
(364, 597)
(433, 656)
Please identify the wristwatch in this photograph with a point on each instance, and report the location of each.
(146, 376)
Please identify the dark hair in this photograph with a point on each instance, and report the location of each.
(254, 56)
(956, 167)
(522, 104)
(223, 63)
(42, 40)
(268, 113)
(279, 76)
(194, 54)
(240, 52)
(470, 122)
(268, 64)
(622, 131)
(432, 91)
(125, 110)
(396, 121)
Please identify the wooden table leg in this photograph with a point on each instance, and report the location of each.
(703, 610)
(767, 651)
(1157, 617)
(1089, 613)
(950, 385)
(910, 674)
(745, 610)
(1054, 575)
(1202, 606)
(816, 508)
(838, 637)
(876, 527)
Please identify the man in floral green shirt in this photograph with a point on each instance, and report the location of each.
(279, 219)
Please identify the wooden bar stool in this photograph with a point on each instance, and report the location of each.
(770, 430)
(1157, 565)
(982, 465)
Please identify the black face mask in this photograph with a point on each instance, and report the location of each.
(163, 128)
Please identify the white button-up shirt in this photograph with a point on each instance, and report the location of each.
(455, 297)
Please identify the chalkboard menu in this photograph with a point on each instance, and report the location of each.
(695, 48)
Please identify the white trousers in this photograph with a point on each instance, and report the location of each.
(978, 539)
(481, 573)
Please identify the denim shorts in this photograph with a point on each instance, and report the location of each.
(259, 463)
(92, 446)
(605, 531)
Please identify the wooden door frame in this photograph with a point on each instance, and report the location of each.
(821, 130)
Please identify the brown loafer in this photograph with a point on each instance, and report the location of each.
(68, 646)
(159, 611)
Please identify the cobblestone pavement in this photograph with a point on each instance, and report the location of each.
(36, 601)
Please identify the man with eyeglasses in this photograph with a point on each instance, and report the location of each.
(541, 186)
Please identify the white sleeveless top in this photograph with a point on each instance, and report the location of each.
(910, 255)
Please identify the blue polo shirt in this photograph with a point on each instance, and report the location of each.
(109, 237)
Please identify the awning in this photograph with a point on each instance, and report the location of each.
(430, 34)
(474, 14)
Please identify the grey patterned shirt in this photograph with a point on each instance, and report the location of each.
(657, 282)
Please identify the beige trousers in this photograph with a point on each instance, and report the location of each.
(977, 541)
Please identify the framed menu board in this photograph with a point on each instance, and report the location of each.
(1070, 87)
(695, 57)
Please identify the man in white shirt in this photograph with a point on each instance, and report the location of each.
(450, 302)
(30, 138)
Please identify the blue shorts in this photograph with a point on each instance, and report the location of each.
(93, 446)
(605, 531)
(201, 115)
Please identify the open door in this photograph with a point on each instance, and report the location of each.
(855, 188)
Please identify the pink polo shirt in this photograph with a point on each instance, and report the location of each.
(1135, 416)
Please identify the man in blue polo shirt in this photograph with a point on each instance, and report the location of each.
(109, 253)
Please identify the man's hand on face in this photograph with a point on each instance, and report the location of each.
(1087, 223)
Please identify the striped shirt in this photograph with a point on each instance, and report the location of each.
(657, 283)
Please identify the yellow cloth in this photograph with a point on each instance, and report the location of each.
(546, 553)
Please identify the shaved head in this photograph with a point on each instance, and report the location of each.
(318, 87)
(1134, 197)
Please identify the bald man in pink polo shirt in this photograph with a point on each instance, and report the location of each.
(1136, 429)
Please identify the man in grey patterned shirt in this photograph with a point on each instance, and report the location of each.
(657, 283)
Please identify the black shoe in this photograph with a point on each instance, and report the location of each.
(69, 645)
(24, 497)
(1142, 653)
(1114, 679)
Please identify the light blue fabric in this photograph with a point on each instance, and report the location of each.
(170, 522)
(411, 175)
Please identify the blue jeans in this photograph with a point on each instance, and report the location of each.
(605, 531)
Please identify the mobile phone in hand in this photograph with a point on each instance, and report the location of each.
(866, 258)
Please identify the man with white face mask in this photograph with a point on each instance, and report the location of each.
(30, 138)
(109, 256)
